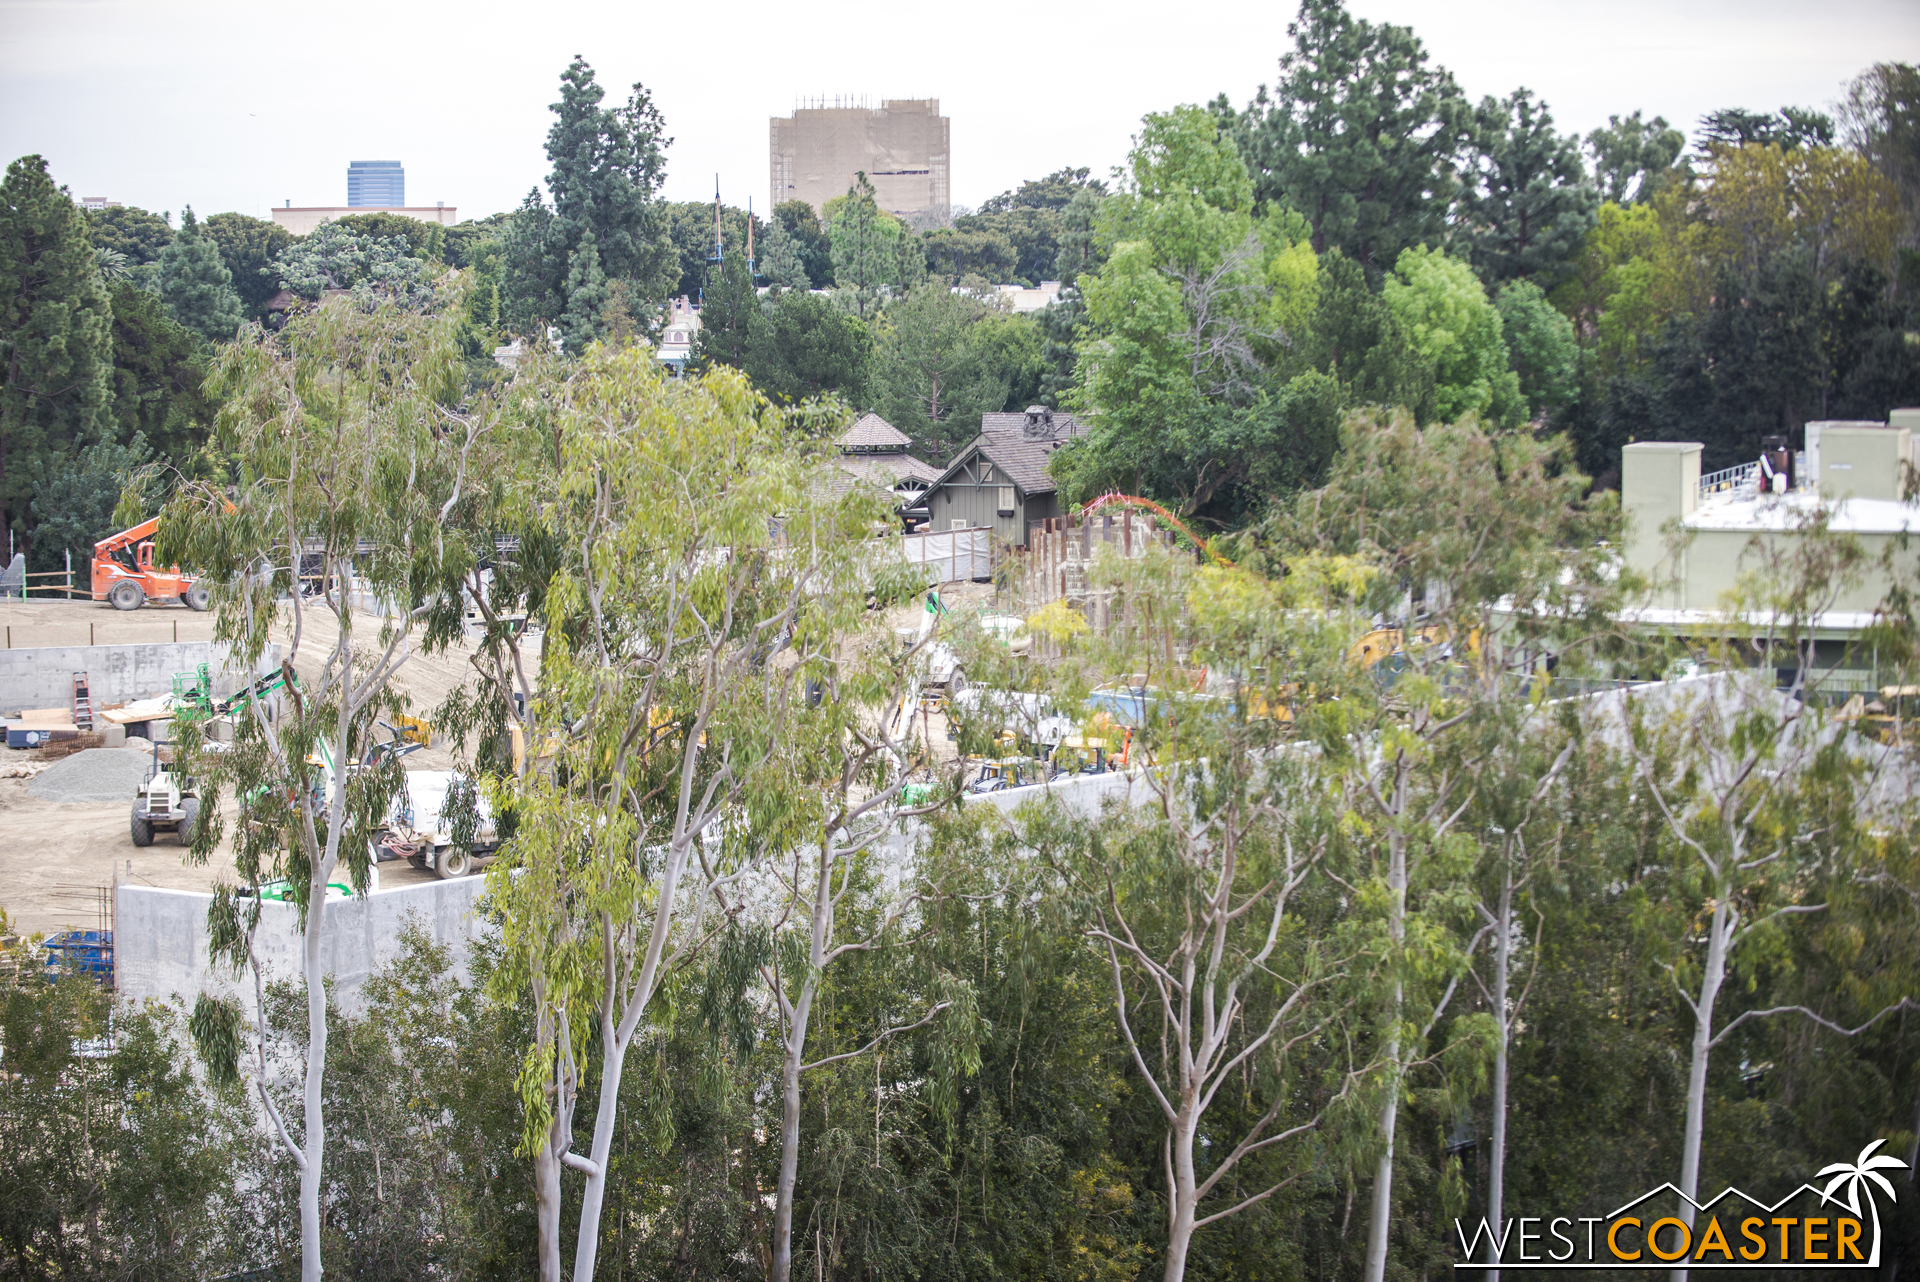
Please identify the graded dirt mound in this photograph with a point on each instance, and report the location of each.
(98, 774)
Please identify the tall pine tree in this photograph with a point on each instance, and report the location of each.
(1359, 134)
(1526, 202)
(586, 297)
(197, 286)
(608, 164)
(56, 332)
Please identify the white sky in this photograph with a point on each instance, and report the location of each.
(232, 105)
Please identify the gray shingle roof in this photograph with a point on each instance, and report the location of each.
(1020, 444)
(871, 432)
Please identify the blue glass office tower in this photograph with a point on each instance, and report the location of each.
(376, 184)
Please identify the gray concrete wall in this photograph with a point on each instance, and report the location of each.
(160, 937)
(42, 676)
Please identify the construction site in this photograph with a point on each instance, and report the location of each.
(93, 681)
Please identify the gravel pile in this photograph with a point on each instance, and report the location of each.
(98, 774)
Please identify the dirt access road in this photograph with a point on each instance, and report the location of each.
(55, 857)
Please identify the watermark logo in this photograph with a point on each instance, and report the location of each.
(1835, 1227)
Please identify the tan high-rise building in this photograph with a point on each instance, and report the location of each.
(902, 147)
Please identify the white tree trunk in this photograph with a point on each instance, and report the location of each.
(315, 1134)
(790, 1102)
(613, 1059)
(1497, 1159)
(1712, 975)
(1381, 1223)
(1184, 1199)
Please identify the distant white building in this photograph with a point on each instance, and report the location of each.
(676, 338)
(301, 220)
(1856, 471)
(1020, 299)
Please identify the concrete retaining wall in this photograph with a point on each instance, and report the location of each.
(42, 676)
(160, 937)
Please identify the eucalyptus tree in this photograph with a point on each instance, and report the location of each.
(1767, 803)
(853, 760)
(1201, 889)
(338, 539)
(699, 575)
(1485, 557)
(1522, 807)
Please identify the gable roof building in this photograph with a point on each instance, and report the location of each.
(874, 451)
(999, 479)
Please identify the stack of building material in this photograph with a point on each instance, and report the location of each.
(37, 727)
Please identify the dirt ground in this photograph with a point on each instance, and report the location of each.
(56, 858)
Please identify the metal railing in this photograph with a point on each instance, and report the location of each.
(1738, 477)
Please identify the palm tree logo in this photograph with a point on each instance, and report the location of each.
(1855, 1177)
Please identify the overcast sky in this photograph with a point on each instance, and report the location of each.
(229, 105)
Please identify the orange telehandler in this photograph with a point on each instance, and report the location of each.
(124, 573)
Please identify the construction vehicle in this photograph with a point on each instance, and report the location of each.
(124, 572)
(1889, 719)
(420, 824)
(1001, 774)
(167, 802)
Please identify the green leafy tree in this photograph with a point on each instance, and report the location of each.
(802, 222)
(960, 250)
(159, 376)
(1180, 330)
(1540, 342)
(56, 332)
(868, 248)
(1526, 203)
(1219, 957)
(817, 348)
(1446, 314)
(1356, 339)
(137, 233)
(247, 247)
(118, 1163)
(354, 470)
(691, 228)
(1031, 219)
(532, 269)
(196, 285)
(333, 258)
(1634, 160)
(425, 241)
(1881, 120)
(1473, 521)
(462, 241)
(782, 261)
(596, 930)
(930, 375)
(734, 329)
(74, 497)
(586, 292)
(1359, 134)
(608, 164)
(1789, 128)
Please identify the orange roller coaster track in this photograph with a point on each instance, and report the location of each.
(1115, 499)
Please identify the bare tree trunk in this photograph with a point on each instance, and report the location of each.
(1377, 1229)
(790, 1104)
(1183, 1198)
(613, 1059)
(1712, 975)
(315, 1135)
(1502, 969)
(546, 1201)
